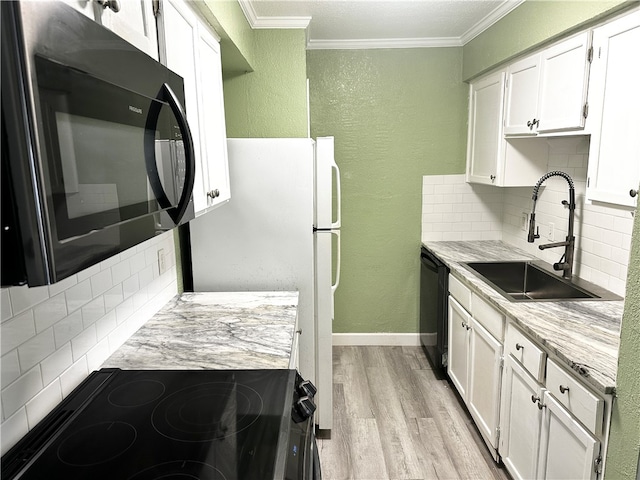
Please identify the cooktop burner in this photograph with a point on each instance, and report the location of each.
(143, 425)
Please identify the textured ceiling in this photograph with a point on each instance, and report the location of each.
(353, 23)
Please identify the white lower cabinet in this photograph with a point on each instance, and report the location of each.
(539, 437)
(474, 367)
(567, 449)
(520, 420)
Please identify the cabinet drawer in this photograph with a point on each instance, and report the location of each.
(460, 292)
(489, 317)
(584, 405)
(526, 352)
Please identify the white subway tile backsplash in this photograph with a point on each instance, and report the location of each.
(79, 320)
(55, 364)
(17, 331)
(101, 282)
(5, 304)
(49, 312)
(10, 368)
(13, 429)
(36, 349)
(92, 311)
(43, 403)
(78, 295)
(73, 376)
(17, 394)
(23, 298)
(67, 328)
(83, 342)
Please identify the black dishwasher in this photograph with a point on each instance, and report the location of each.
(434, 287)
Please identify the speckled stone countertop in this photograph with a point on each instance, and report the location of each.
(216, 330)
(584, 334)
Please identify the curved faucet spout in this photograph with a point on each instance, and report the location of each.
(567, 265)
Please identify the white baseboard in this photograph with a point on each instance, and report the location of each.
(379, 339)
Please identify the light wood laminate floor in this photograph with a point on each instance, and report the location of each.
(394, 419)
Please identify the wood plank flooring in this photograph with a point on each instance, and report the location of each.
(394, 419)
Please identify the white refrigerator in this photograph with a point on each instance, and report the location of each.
(278, 232)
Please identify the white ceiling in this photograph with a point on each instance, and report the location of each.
(379, 23)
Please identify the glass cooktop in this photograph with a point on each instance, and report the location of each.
(144, 425)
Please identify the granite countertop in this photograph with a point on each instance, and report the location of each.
(214, 330)
(584, 334)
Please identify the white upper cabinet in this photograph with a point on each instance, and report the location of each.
(491, 159)
(614, 101)
(193, 52)
(133, 20)
(547, 91)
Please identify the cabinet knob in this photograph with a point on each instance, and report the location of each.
(112, 4)
(563, 389)
(633, 193)
(519, 347)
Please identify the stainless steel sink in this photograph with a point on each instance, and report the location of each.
(531, 281)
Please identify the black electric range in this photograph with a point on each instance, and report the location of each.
(175, 424)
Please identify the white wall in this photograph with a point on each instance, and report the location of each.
(52, 337)
(603, 232)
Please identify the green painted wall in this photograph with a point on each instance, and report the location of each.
(271, 101)
(396, 115)
(531, 24)
(622, 455)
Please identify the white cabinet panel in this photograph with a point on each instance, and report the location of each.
(614, 152)
(520, 420)
(522, 96)
(135, 23)
(483, 392)
(547, 91)
(567, 449)
(193, 52)
(458, 360)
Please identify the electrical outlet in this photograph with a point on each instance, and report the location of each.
(524, 220)
(162, 261)
(552, 232)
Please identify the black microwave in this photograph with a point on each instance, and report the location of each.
(97, 155)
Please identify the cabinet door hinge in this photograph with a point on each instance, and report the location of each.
(585, 110)
(597, 465)
(156, 7)
(590, 55)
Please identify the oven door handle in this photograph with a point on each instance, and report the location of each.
(167, 95)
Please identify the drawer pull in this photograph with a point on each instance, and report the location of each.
(519, 347)
(563, 389)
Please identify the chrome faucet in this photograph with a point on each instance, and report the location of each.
(566, 261)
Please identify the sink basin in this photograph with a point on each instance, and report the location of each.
(530, 281)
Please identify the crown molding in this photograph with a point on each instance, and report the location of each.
(357, 44)
(501, 11)
(257, 22)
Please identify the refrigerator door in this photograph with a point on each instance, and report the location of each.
(327, 222)
(263, 239)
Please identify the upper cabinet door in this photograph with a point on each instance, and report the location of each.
(614, 98)
(563, 85)
(135, 23)
(133, 20)
(485, 139)
(547, 92)
(523, 80)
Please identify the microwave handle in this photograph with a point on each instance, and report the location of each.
(167, 95)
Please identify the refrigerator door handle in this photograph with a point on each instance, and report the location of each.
(338, 221)
(334, 287)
